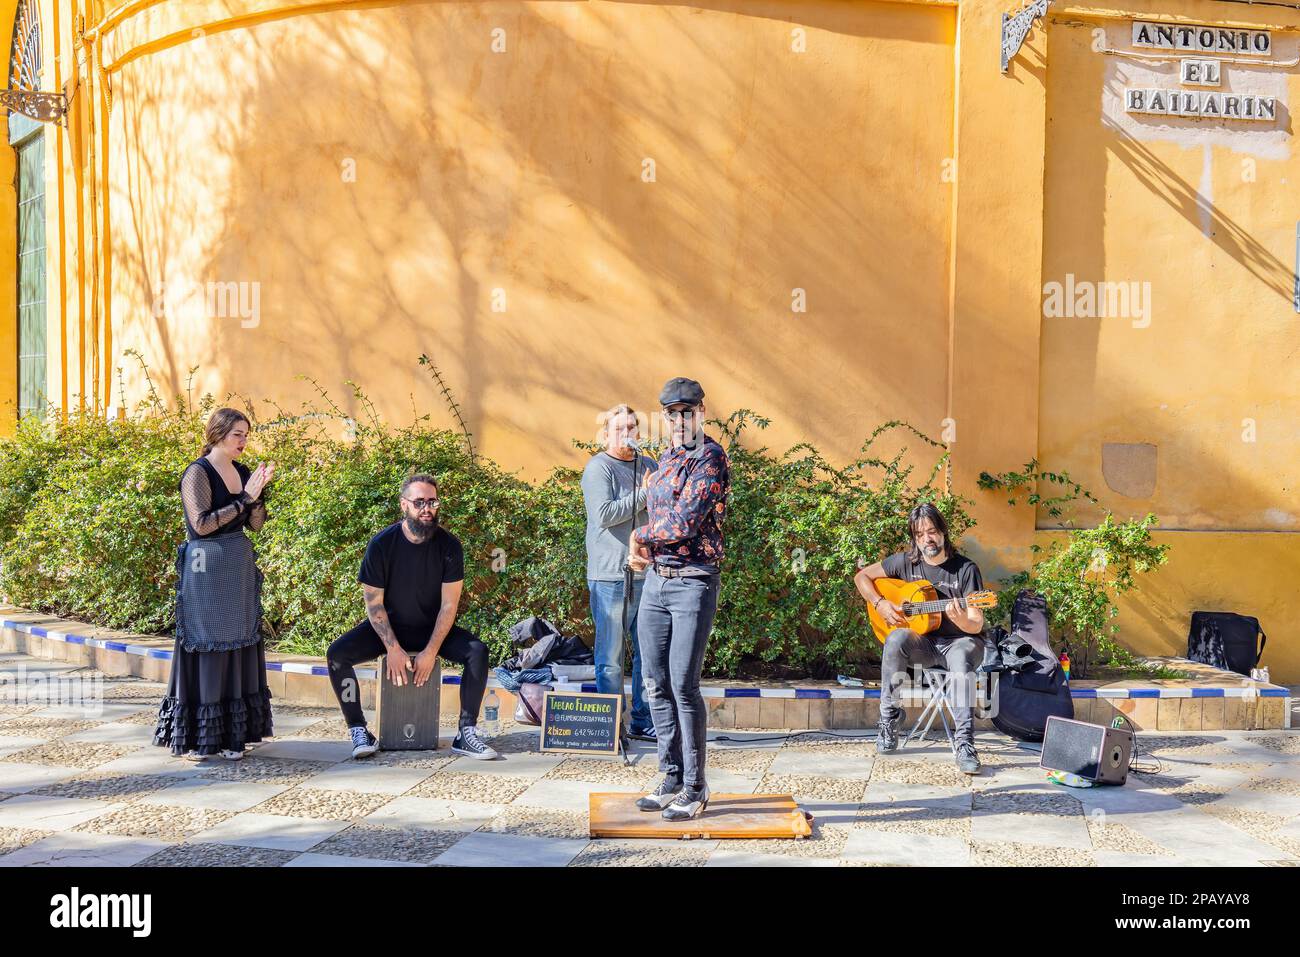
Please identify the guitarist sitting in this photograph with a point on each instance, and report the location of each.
(955, 643)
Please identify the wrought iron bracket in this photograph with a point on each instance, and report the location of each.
(1017, 26)
(42, 107)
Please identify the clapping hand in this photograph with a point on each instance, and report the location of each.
(264, 472)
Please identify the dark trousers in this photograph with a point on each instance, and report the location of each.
(961, 656)
(673, 625)
(362, 643)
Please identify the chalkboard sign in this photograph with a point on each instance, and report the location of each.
(573, 721)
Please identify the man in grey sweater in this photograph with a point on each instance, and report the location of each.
(614, 508)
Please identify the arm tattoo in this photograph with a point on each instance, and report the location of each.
(379, 620)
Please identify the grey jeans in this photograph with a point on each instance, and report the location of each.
(961, 656)
(672, 627)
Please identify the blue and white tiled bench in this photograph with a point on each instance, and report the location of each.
(1213, 700)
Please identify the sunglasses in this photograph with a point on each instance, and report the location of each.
(420, 504)
(685, 415)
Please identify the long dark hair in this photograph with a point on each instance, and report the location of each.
(915, 517)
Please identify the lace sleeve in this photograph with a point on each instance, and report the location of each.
(256, 515)
(196, 496)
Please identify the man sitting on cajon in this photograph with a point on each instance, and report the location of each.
(412, 575)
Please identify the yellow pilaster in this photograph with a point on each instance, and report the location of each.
(997, 241)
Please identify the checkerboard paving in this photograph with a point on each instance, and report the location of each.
(83, 785)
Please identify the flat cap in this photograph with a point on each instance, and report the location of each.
(679, 390)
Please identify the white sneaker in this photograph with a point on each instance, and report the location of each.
(195, 756)
(233, 755)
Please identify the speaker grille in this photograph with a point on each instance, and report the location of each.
(1073, 746)
(1091, 751)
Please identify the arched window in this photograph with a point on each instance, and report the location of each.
(25, 55)
(27, 138)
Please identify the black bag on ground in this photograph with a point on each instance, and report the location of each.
(1224, 639)
(1027, 697)
(549, 647)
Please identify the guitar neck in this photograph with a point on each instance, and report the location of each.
(930, 607)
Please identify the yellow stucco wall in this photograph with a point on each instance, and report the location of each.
(1206, 378)
(1215, 571)
(380, 174)
(484, 177)
(1203, 213)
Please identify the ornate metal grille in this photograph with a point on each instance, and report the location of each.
(25, 61)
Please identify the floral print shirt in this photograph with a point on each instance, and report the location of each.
(687, 500)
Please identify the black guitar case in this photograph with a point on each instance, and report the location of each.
(1037, 690)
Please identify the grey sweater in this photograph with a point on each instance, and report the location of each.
(607, 491)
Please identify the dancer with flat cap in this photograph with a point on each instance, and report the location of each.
(680, 549)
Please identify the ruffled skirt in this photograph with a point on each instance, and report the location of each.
(216, 700)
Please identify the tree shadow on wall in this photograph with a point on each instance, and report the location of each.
(476, 172)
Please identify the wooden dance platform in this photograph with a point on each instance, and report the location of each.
(727, 816)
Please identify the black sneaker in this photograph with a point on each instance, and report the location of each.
(887, 732)
(662, 796)
(690, 803)
(644, 734)
(968, 762)
(468, 743)
(364, 744)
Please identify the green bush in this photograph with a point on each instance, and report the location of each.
(90, 518)
(797, 530)
(329, 497)
(90, 525)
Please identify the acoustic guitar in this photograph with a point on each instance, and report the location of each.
(921, 605)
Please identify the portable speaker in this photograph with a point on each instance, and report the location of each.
(408, 716)
(1091, 751)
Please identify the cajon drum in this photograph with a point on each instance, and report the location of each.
(408, 716)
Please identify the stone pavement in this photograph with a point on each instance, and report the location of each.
(80, 788)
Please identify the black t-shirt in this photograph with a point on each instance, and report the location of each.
(955, 578)
(412, 576)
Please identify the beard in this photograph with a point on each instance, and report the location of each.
(418, 528)
(930, 549)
